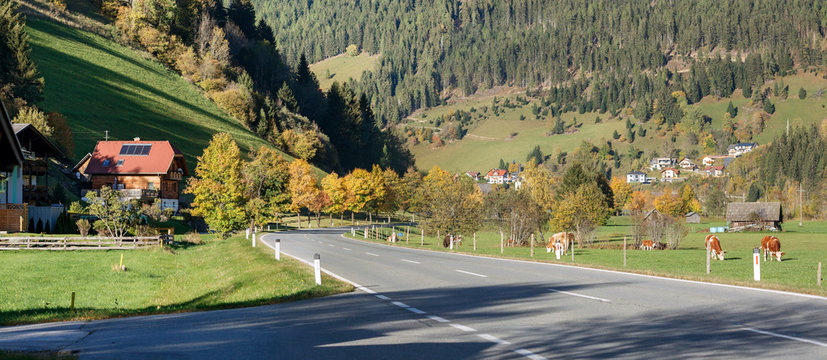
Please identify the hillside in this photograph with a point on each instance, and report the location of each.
(342, 68)
(489, 137)
(99, 85)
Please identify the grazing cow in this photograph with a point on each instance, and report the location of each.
(458, 240)
(770, 244)
(392, 238)
(564, 238)
(446, 241)
(510, 243)
(647, 245)
(714, 245)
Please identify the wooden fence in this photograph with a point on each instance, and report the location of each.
(78, 243)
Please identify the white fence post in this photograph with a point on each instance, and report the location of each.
(317, 262)
(278, 249)
(247, 233)
(254, 239)
(624, 251)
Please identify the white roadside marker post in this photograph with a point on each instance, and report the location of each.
(254, 239)
(247, 233)
(317, 262)
(278, 249)
(756, 265)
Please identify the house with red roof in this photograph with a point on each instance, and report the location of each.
(497, 176)
(142, 170)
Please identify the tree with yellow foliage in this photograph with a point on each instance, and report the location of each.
(365, 189)
(218, 187)
(621, 190)
(689, 202)
(669, 204)
(303, 188)
(581, 211)
(334, 187)
(637, 201)
(450, 204)
(266, 179)
(390, 201)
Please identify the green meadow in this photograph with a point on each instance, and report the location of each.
(215, 274)
(342, 68)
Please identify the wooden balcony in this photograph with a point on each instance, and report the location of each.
(129, 194)
(35, 193)
(174, 176)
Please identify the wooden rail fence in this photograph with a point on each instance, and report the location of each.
(78, 243)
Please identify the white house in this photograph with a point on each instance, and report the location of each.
(687, 164)
(498, 176)
(636, 177)
(669, 173)
(473, 174)
(714, 171)
(741, 148)
(661, 163)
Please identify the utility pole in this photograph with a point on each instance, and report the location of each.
(106, 135)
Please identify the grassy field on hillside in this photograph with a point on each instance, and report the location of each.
(99, 85)
(804, 248)
(217, 274)
(342, 68)
(489, 139)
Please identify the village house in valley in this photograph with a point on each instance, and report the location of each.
(498, 176)
(669, 173)
(143, 170)
(661, 163)
(687, 164)
(741, 148)
(636, 177)
(13, 212)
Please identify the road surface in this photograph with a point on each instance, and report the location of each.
(414, 304)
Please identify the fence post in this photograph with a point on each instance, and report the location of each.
(72, 304)
(407, 233)
(254, 239)
(394, 234)
(501, 242)
(475, 241)
(365, 233)
(278, 249)
(624, 251)
(421, 237)
(707, 259)
(317, 262)
(532, 245)
(819, 274)
(247, 233)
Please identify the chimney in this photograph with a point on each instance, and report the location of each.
(136, 139)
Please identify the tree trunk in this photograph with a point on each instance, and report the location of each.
(351, 218)
(299, 216)
(370, 217)
(330, 215)
(318, 219)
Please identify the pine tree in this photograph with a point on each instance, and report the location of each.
(502, 165)
(16, 66)
(243, 14)
(769, 107)
(732, 110)
(287, 98)
(303, 74)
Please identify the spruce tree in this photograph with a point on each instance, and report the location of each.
(287, 98)
(502, 165)
(303, 74)
(16, 66)
(732, 110)
(769, 107)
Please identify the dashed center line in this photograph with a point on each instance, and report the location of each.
(371, 254)
(346, 249)
(383, 297)
(437, 319)
(331, 245)
(463, 327)
(400, 304)
(415, 310)
(493, 339)
(529, 354)
(580, 295)
(470, 273)
(411, 261)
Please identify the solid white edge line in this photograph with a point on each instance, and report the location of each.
(400, 304)
(580, 295)
(463, 327)
(411, 261)
(438, 319)
(529, 354)
(494, 339)
(415, 310)
(788, 337)
(779, 292)
(470, 273)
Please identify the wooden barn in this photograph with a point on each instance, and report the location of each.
(693, 218)
(764, 214)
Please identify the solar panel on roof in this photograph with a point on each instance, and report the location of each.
(124, 149)
(145, 149)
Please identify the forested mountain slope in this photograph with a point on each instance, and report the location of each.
(431, 46)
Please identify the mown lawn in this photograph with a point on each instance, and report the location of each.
(37, 285)
(804, 248)
(343, 68)
(99, 85)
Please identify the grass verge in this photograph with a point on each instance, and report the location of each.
(804, 248)
(217, 274)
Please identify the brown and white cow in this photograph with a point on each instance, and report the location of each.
(770, 244)
(647, 245)
(563, 238)
(392, 238)
(714, 245)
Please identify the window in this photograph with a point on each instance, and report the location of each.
(105, 163)
(151, 186)
(135, 149)
(120, 163)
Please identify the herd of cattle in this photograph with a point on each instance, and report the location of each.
(770, 245)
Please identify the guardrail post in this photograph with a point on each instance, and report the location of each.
(317, 263)
(278, 249)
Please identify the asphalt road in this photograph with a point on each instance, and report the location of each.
(414, 304)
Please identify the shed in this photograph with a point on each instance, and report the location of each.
(766, 214)
(693, 218)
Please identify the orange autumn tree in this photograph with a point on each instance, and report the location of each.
(302, 186)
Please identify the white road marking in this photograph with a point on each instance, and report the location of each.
(529, 354)
(580, 295)
(400, 304)
(493, 339)
(383, 297)
(346, 249)
(415, 310)
(788, 337)
(437, 318)
(463, 327)
(331, 245)
(411, 261)
(369, 291)
(470, 273)
(371, 254)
